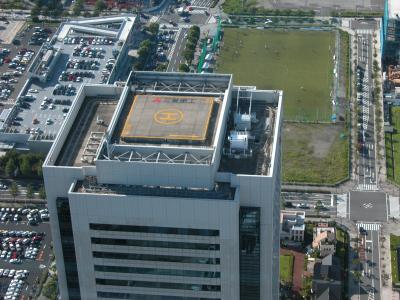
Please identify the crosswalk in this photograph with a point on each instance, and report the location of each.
(369, 226)
(364, 31)
(371, 295)
(367, 187)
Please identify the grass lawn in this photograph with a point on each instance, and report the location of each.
(298, 62)
(394, 243)
(393, 161)
(286, 268)
(314, 153)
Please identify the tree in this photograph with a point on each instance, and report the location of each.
(42, 192)
(39, 169)
(190, 45)
(25, 166)
(162, 67)
(100, 5)
(188, 55)
(10, 167)
(14, 191)
(143, 52)
(153, 28)
(77, 8)
(319, 206)
(29, 191)
(35, 12)
(357, 275)
(184, 68)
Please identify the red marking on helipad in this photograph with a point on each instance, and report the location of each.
(157, 100)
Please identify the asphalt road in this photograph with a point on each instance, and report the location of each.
(176, 55)
(369, 285)
(310, 199)
(368, 206)
(366, 165)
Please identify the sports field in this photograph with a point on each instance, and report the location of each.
(298, 62)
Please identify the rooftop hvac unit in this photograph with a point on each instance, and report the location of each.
(239, 141)
(242, 121)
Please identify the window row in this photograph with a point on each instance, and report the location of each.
(153, 257)
(144, 297)
(156, 244)
(154, 229)
(154, 271)
(159, 285)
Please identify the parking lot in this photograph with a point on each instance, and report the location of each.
(82, 60)
(8, 30)
(25, 254)
(13, 79)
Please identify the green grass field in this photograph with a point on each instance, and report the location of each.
(394, 243)
(314, 153)
(286, 268)
(393, 159)
(298, 62)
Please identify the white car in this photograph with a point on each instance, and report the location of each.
(33, 91)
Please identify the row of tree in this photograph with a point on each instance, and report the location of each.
(29, 165)
(190, 47)
(253, 10)
(48, 8)
(147, 46)
(54, 9)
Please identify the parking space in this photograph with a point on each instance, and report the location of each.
(44, 105)
(24, 255)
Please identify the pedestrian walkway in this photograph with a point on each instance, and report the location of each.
(367, 187)
(369, 226)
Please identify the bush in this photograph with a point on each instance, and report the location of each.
(184, 68)
(50, 288)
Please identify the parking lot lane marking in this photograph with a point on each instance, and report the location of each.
(40, 257)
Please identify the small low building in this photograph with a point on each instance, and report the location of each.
(292, 225)
(324, 239)
(327, 283)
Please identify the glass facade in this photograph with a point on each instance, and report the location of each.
(158, 285)
(68, 248)
(146, 297)
(249, 239)
(152, 257)
(154, 271)
(155, 244)
(154, 229)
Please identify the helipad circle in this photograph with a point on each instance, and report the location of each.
(168, 116)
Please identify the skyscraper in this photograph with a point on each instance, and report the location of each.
(168, 188)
